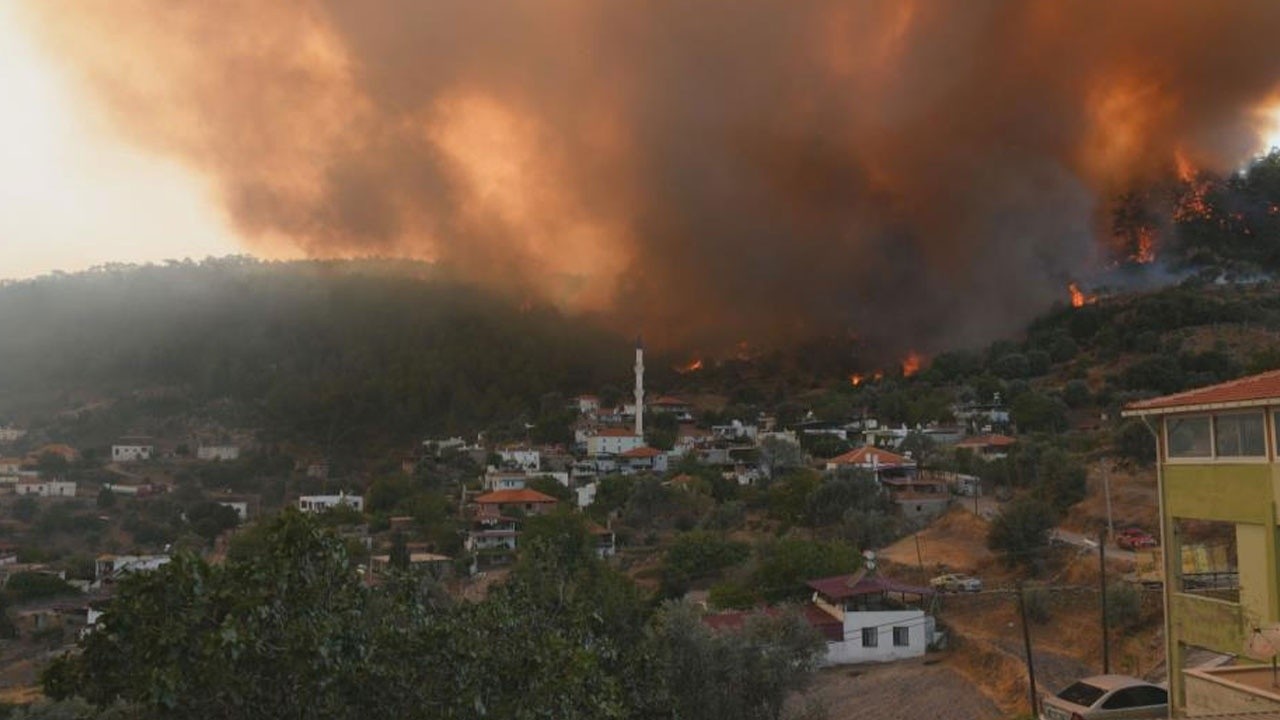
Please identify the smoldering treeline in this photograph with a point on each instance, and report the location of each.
(919, 173)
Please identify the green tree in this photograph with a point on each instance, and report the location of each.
(106, 499)
(399, 555)
(783, 567)
(550, 486)
(1021, 532)
(697, 555)
(1034, 411)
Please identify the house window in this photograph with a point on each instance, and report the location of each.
(1240, 435)
(901, 637)
(870, 637)
(1189, 437)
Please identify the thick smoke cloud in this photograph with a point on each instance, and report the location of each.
(920, 173)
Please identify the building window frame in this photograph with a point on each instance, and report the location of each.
(1261, 414)
(1270, 428)
(901, 636)
(870, 637)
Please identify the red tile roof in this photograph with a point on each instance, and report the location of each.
(643, 451)
(616, 432)
(987, 441)
(842, 587)
(870, 455)
(829, 627)
(503, 497)
(668, 400)
(1258, 389)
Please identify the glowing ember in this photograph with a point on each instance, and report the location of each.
(911, 364)
(877, 375)
(692, 366)
(856, 379)
(1078, 297)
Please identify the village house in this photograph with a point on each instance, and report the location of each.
(606, 541)
(521, 459)
(613, 441)
(10, 434)
(880, 619)
(10, 467)
(240, 506)
(224, 453)
(527, 502)
(321, 503)
(644, 459)
(988, 447)
(883, 464)
(1218, 457)
(587, 404)
(66, 452)
(46, 488)
(8, 554)
(673, 406)
(132, 450)
(438, 566)
(919, 498)
(108, 568)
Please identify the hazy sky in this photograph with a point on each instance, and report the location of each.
(74, 195)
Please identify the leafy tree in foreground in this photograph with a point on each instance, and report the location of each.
(288, 630)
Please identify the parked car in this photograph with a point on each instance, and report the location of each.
(956, 582)
(1135, 539)
(1106, 696)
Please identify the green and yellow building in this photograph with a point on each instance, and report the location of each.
(1219, 483)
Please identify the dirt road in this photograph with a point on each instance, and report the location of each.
(906, 690)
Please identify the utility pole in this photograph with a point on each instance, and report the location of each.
(1026, 641)
(1106, 493)
(1102, 587)
(920, 558)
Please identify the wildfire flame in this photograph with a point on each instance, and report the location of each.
(1078, 297)
(1145, 252)
(692, 366)
(1191, 203)
(911, 363)
(856, 379)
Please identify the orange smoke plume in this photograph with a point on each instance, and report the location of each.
(835, 153)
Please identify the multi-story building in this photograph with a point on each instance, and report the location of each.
(1218, 453)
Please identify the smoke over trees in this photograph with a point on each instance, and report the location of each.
(919, 173)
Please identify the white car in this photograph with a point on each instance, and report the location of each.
(956, 582)
(1106, 696)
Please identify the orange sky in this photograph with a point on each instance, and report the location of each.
(72, 193)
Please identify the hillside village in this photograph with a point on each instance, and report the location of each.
(905, 516)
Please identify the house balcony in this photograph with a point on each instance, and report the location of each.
(1208, 622)
(1241, 690)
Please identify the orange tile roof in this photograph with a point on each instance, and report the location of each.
(870, 455)
(668, 400)
(503, 497)
(643, 451)
(1261, 389)
(616, 432)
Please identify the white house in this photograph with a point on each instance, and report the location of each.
(613, 441)
(880, 619)
(735, 430)
(521, 458)
(10, 434)
(224, 453)
(111, 567)
(321, 503)
(644, 459)
(10, 466)
(587, 404)
(132, 452)
(46, 488)
(241, 507)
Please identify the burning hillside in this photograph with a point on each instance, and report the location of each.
(924, 173)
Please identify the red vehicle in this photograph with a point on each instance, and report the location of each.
(1135, 539)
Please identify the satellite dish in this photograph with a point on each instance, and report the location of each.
(869, 559)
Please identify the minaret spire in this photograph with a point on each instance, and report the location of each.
(639, 386)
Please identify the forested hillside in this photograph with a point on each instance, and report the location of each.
(337, 351)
